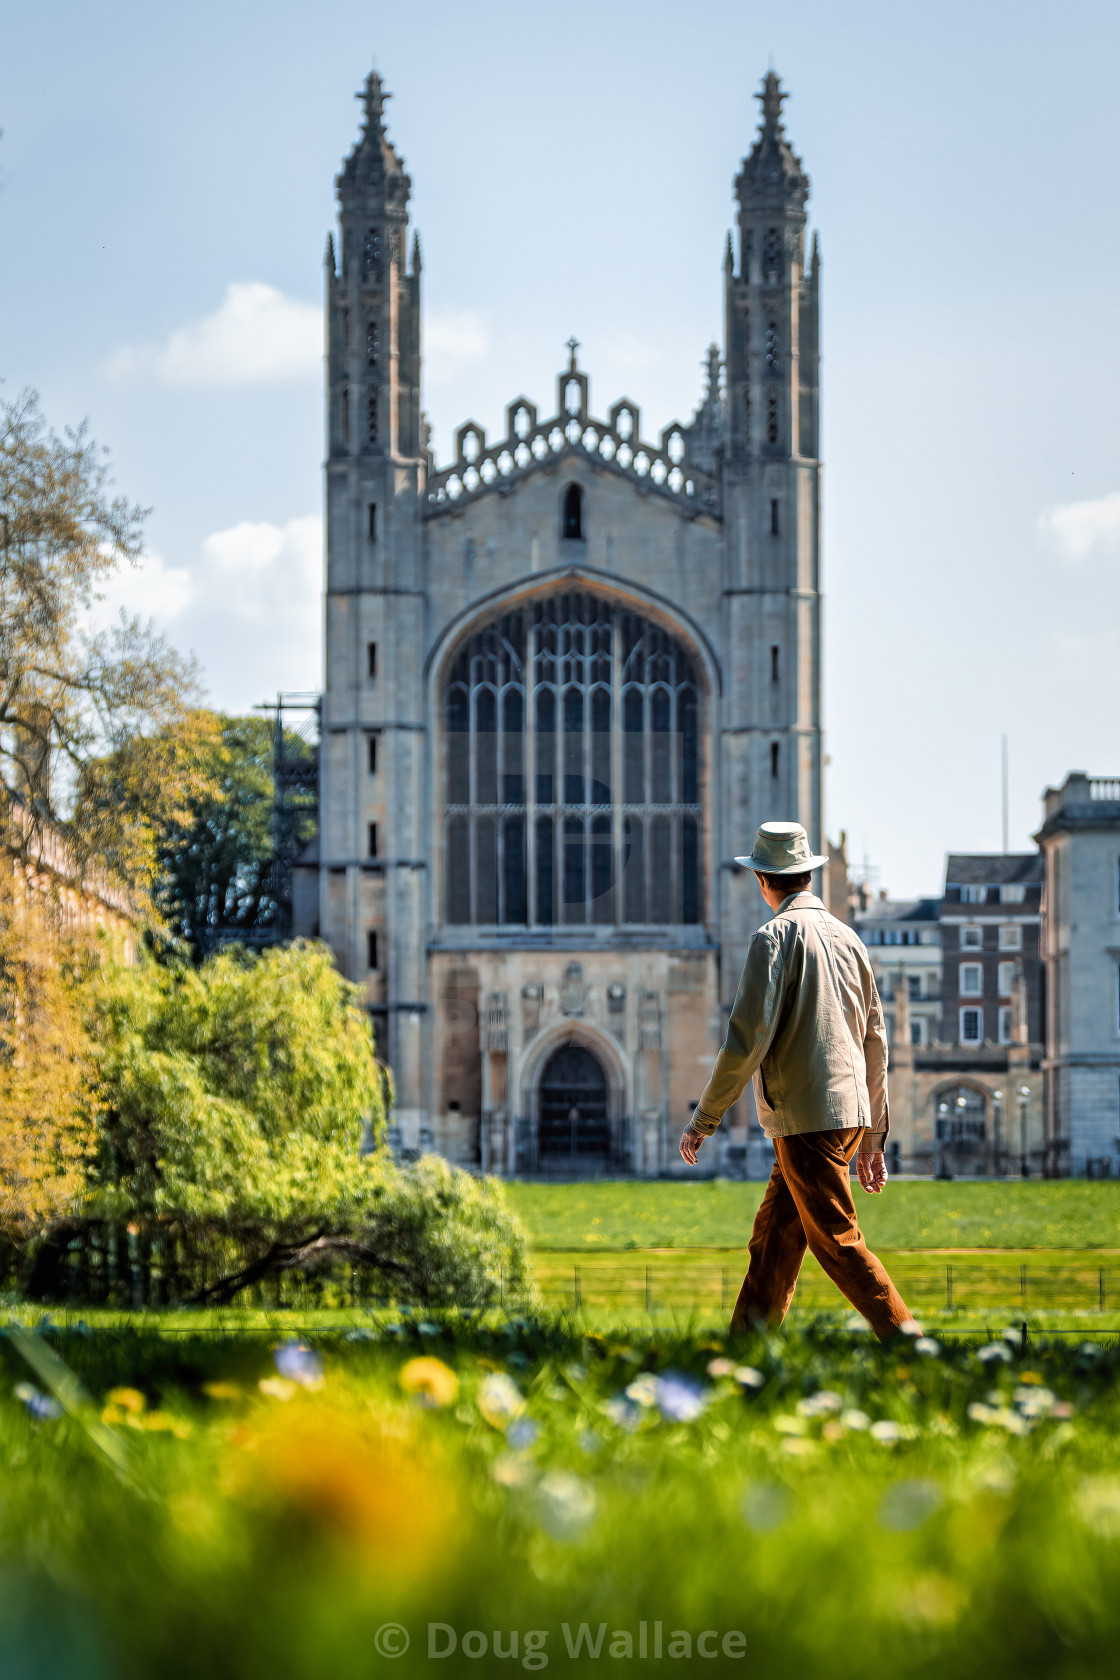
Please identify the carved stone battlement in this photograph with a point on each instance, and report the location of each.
(614, 444)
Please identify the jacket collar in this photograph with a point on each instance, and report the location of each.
(800, 901)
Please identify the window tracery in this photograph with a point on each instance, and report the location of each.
(571, 785)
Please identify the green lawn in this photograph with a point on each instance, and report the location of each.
(955, 1509)
(1065, 1213)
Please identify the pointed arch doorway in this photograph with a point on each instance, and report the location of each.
(573, 1126)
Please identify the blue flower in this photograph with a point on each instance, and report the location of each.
(522, 1433)
(299, 1364)
(680, 1398)
(41, 1406)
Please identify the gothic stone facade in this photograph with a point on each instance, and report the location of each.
(566, 677)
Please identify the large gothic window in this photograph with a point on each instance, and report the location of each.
(572, 771)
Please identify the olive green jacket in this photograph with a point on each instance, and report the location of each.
(807, 1025)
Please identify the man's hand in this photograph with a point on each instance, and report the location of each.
(872, 1170)
(690, 1144)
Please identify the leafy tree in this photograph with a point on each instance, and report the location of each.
(69, 697)
(46, 1132)
(240, 1115)
(218, 867)
(205, 788)
(238, 1092)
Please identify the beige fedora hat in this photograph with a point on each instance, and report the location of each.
(782, 848)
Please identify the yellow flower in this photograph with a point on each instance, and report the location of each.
(164, 1423)
(431, 1381)
(127, 1399)
(223, 1390)
(333, 1477)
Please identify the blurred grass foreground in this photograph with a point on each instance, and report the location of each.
(482, 1494)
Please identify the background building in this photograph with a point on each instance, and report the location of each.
(903, 938)
(966, 1081)
(567, 675)
(1080, 840)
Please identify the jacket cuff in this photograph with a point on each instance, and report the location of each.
(703, 1124)
(872, 1143)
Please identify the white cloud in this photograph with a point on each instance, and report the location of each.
(256, 336)
(249, 606)
(1080, 529)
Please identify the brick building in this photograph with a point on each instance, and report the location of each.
(903, 939)
(966, 1084)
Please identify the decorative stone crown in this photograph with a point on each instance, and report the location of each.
(614, 444)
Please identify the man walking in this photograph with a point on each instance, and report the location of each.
(807, 1025)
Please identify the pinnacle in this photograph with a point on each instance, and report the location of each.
(772, 176)
(373, 97)
(771, 99)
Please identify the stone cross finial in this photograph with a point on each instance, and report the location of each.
(572, 346)
(771, 99)
(373, 97)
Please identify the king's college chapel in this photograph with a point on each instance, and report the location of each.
(567, 674)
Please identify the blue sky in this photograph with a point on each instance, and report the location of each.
(166, 187)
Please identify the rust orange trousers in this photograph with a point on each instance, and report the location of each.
(808, 1205)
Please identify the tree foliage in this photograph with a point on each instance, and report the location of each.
(204, 788)
(239, 1092)
(46, 1132)
(69, 697)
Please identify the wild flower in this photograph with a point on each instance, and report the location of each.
(127, 1400)
(643, 1390)
(338, 1476)
(44, 1408)
(522, 1433)
(565, 1504)
(627, 1414)
(927, 1346)
(678, 1398)
(431, 1382)
(747, 1377)
(822, 1404)
(500, 1400)
(299, 1364)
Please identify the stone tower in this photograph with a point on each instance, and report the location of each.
(568, 673)
(771, 499)
(371, 846)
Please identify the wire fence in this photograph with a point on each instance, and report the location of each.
(625, 1284)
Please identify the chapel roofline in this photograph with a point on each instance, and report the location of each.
(665, 468)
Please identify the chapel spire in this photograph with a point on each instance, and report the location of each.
(373, 165)
(772, 176)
